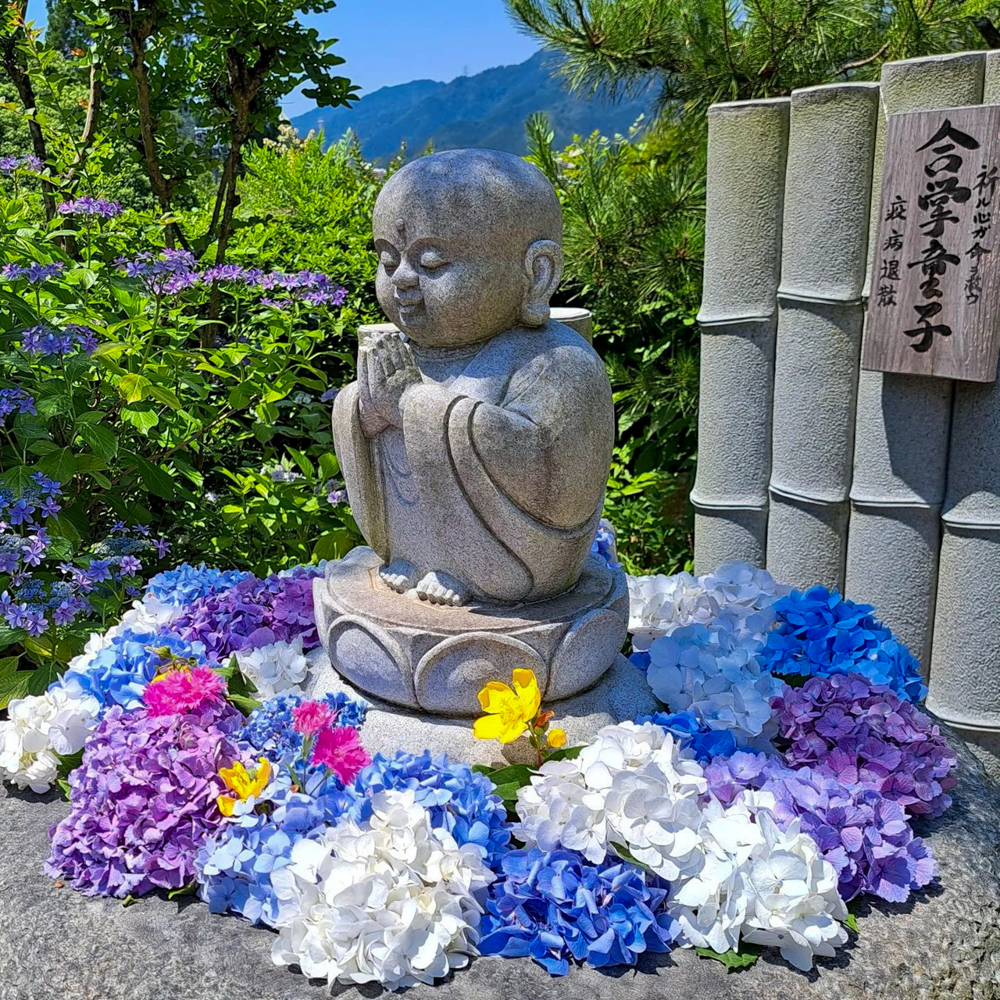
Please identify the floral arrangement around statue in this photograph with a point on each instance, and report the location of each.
(779, 783)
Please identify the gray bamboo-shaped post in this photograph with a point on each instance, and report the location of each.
(747, 144)
(965, 663)
(903, 421)
(820, 316)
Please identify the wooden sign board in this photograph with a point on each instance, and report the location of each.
(934, 307)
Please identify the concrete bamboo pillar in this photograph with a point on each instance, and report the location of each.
(965, 664)
(903, 421)
(747, 145)
(820, 317)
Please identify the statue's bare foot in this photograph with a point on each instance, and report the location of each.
(400, 575)
(440, 588)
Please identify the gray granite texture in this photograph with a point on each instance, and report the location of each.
(398, 648)
(475, 448)
(58, 945)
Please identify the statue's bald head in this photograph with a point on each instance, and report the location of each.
(474, 235)
(486, 191)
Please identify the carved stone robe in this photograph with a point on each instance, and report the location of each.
(498, 472)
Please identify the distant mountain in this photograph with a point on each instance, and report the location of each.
(488, 109)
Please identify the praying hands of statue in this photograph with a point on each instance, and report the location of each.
(386, 369)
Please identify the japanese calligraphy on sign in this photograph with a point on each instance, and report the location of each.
(934, 307)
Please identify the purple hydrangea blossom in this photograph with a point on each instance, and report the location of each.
(34, 272)
(864, 835)
(144, 801)
(863, 733)
(254, 613)
(16, 400)
(91, 206)
(44, 339)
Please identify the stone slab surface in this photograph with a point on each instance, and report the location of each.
(55, 943)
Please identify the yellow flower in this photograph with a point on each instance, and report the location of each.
(245, 785)
(557, 738)
(509, 711)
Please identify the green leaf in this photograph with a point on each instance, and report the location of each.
(143, 420)
(59, 465)
(53, 405)
(733, 961)
(794, 680)
(13, 682)
(102, 440)
(110, 350)
(851, 923)
(64, 785)
(69, 763)
(245, 704)
(185, 890)
(133, 387)
(18, 478)
(302, 462)
(567, 753)
(626, 855)
(42, 676)
(510, 779)
(155, 479)
(334, 544)
(508, 792)
(163, 395)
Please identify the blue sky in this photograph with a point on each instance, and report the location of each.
(386, 42)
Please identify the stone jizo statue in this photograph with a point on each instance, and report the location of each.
(475, 446)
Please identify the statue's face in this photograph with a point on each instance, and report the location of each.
(441, 278)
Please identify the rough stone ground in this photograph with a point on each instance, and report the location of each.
(55, 943)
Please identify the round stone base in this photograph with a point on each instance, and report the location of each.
(622, 693)
(399, 649)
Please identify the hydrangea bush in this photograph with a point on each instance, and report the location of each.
(744, 814)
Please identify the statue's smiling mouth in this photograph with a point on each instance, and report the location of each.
(409, 307)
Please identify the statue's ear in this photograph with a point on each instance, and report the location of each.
(543, 264)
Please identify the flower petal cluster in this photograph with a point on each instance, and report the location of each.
(821, 633)
(234, 866)
(254, 613)
(864, 733)
(393, 900)
(693, 734)
(632, 786)
(339, 749)
(509, 709)
(185, 583)
(633, 791)
(143, 801)
(458, 799)
(39, 729)
(865, 836)
(179, 692)
(606, 544)
(118, 673)
(270, 730)
(718, 676)
(761, 884)
(557, 909)
(736, 596)
(276, 667)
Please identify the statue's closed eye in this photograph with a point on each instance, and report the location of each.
(431, 260)
(389, 260)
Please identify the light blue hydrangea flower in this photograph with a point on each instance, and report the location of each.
(186, 583)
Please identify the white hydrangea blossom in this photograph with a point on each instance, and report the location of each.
(277, 668)
(37, 730)
(148, 615)
(717, 676)
(633, 786)
(760, 885)
(733, 874)
(659, 604)
(736, 596)
(392, 901)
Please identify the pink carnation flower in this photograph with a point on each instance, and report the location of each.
(182, 691)
(312, 717)
(340, 750)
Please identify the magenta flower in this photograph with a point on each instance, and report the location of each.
(181, 691)
(340, 750)
(312, 717)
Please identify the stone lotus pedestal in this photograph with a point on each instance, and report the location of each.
(403, 651)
